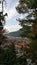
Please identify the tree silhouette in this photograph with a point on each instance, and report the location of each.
(2, 22)
(8, 55)
(28, 7)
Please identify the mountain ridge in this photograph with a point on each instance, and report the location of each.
(15, 34)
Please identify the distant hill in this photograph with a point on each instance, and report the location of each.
(14, 34)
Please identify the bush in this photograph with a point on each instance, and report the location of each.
(7, 57)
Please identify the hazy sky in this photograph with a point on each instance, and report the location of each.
(11, 23)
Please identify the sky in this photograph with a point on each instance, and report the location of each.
(11, 23)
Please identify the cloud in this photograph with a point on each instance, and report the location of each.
(13, 28)
(11, 12)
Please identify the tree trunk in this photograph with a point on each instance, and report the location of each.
(34, 26)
